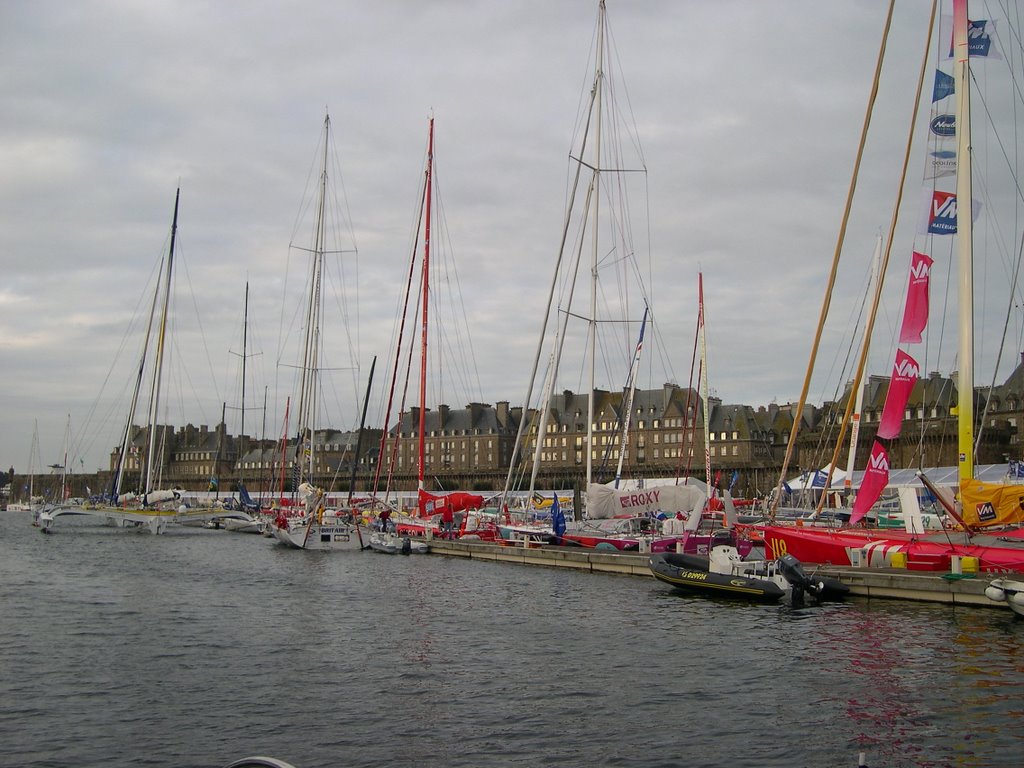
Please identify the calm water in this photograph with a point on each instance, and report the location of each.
(197, 647)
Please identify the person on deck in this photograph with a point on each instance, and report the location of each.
(448, 520)
(383, 519)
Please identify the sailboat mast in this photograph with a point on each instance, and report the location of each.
(64, 463)
(310, 362)
(596, 186)
(704, 381)
(284, 448)
(245, 342)
(32, 451)
(823, 315)
(426, 295)
(161, 341)
(359, 437)
(965, 236)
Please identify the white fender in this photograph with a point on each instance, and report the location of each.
(996, 594)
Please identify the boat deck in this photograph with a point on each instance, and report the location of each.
(885, 583)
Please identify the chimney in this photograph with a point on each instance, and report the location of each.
(476, 411)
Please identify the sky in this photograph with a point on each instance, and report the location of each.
(748, 113)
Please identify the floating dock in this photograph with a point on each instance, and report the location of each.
(887, 583)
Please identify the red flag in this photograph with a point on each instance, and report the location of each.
(876, 477)
(431, 504)
(904, 376)
(915, 313)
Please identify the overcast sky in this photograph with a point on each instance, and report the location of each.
(748, 113)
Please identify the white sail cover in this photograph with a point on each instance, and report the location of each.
(604, 502)
(155, 497)
(311, 496)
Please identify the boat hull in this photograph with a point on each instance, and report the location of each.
(320, 536)
(392, 544)
(684, 574)
(1002, 553)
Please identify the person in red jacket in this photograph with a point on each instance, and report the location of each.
(448, 520)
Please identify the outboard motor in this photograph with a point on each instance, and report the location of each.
(793, 572)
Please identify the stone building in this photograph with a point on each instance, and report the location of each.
(464, 448)
(471, 448)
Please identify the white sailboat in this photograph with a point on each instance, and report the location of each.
(597, 241)
(316, 527)
(149, 506)
(31, 503)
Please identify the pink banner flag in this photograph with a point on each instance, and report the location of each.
(876, 477)
(904, 376)
(915, 313)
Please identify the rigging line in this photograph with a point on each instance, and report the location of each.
(450, 271)
(1002, 345)
(999, 141)
(183, 264)
(398, 336)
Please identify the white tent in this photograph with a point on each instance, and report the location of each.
(816, 480)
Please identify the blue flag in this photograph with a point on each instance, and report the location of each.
(557, 518)
(944, 86)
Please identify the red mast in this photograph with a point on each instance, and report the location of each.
(426, 294)
(284, 449)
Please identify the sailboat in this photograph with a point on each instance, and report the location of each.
(596, 240)
(404, 533)
(984, 511)
(317, 527)
(684, 503)
(31, 503)
(151, 506)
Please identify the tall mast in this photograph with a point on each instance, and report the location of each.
(359, 437)
(823, 315)
(426, 304)
(596, 186)
(118, 476)
(245, 342)
(161, 341)
(704, 381)
(64, 463)
(310, 363)
(965, 236)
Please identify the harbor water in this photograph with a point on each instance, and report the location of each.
(199, 647)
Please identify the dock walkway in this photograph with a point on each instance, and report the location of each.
(887, 583)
